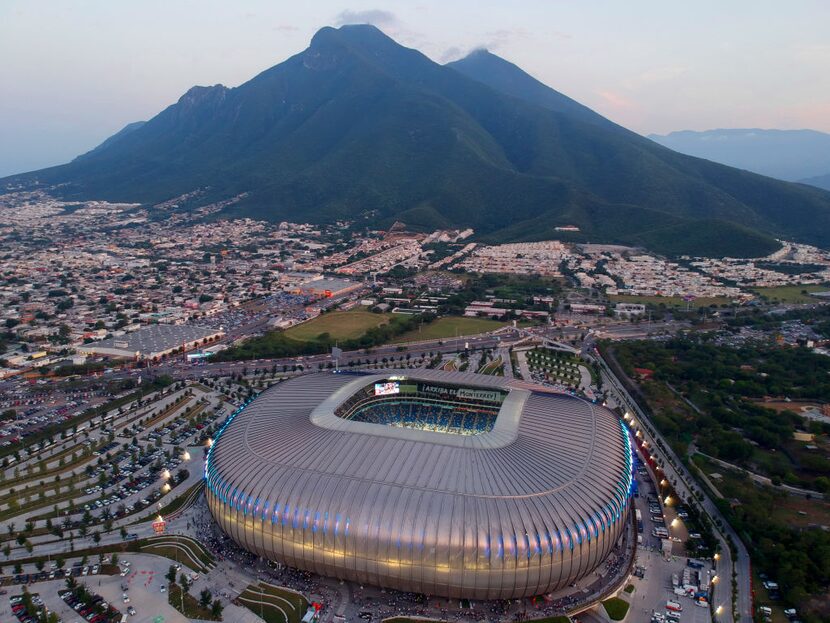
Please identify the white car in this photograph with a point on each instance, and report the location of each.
(163, 588)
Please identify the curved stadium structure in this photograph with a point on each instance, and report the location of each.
(451, 484)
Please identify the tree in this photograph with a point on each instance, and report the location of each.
(171, 574)
(204, 598)
(184, 581)
(216, 608)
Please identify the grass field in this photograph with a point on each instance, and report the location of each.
(340, 325)
(669, 301)
(790, 294)
(449, 327)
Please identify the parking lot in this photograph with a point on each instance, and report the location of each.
(141, 584)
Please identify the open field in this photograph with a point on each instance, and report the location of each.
(791, 510)
(449, 327)
(669, 301)
(340, 325)
(790, 294)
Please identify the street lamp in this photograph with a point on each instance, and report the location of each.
(165, 474)
(186, 456)
(166, 487)
(209, 442)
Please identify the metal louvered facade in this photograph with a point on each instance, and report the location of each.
(524, 510)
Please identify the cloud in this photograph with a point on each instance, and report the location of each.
(376, 17)
(285, 28)
(496, 39)
(451, 54)
(656, 75)
(615, 99)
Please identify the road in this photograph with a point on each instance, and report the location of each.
(683, 482)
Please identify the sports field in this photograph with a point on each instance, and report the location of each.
(340, 325)
(449, 327)
(790, 294)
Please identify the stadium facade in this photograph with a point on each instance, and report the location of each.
(450, 484)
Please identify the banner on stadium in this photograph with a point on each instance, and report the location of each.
(478, 394)
(463, 392)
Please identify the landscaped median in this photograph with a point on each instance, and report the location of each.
(181, 549)
(177, 548)
(616, 608)
(273, 604)
(177, 506)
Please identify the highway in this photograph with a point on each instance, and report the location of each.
(683, 482)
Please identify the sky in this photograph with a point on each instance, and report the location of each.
(75, 72)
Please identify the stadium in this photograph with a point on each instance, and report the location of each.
(443, 483)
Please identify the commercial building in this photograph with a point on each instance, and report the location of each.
(153, 342)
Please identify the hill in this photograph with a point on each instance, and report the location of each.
(789, 155)
(820, 181)
(357, 126)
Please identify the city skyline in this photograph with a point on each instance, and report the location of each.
(641, 66)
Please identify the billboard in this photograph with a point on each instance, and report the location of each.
(387, 389)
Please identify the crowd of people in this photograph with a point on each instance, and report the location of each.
(435, 417)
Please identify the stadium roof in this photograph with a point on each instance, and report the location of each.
(554, 471)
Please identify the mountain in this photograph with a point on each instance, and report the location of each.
(504, 76)
(820, 181)
(790, 155)
(358, 126)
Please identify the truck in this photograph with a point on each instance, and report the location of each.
(639, 517)
(674, 606)
(660, 532)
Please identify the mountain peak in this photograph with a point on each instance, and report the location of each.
(502, 75)
(363, 34)
(358, 123)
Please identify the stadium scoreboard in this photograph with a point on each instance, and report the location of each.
(387, 389)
